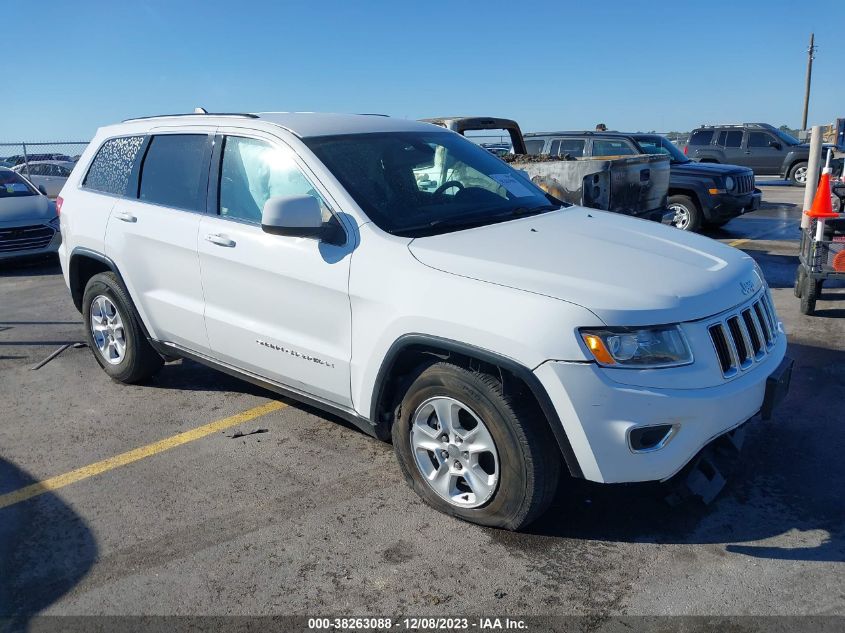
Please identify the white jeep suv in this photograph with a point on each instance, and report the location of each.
(400, 276)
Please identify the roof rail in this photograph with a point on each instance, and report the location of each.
(245, 115)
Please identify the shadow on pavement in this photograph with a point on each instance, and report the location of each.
(786, 488)
(45, 550)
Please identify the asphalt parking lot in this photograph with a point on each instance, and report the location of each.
(302, 514)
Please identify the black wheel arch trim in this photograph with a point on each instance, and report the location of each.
(524, 373)
(81, 251)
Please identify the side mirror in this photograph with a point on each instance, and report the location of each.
(776, 145)
(295, 216)
(42, 190)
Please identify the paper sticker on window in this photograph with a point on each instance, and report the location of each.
(16, 187)
(512, 185)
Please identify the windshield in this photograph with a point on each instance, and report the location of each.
(13, 185)
(660, 145)
(787, 138)
(420, 183)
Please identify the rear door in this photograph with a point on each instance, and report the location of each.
(152, 235)
(763, 152)
(276, 306)
(571, 146)
(730, 142)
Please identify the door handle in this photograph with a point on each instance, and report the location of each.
(125, 216)
(747, 151)
(220, 240)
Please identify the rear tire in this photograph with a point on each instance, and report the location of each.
(809, 294)
(688, 216)
(113, 331)
(520, 473)
(800, 274)
(798, 174)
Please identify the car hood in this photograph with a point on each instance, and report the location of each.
(707, 169)
(26, 210)
(625, 270)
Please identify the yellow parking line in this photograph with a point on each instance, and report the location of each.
(97, 468)
(738, 242)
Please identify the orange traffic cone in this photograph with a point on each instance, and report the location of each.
(821, 203)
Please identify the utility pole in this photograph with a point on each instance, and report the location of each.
(811, 54)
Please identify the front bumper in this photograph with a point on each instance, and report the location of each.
(598, 414)
(726, 206)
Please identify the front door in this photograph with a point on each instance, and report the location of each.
(276, 306)
(764, 152)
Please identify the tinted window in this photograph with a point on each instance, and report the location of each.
(173, 171)
(112, 166)
(534, 146)
(759, 139)
(64, 172)
(612, 147)
(731, 138)
(702, 137)
(572, 146)
(254, 171)
(36, 170)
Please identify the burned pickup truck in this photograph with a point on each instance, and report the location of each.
(632, 185)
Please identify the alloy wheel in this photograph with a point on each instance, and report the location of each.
(454, 452)
(107, 330)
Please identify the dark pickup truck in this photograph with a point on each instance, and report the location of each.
(760, 146)
(699, 194)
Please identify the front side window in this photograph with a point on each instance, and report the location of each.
(662, 146)
(254, 171)
(612, 147)
(420, 183)
(13, 185)
(173, 169)
(112, 166)
(759, 139)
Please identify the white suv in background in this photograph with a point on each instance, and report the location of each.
(404, 278)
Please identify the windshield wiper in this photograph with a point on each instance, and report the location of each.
(477, 220)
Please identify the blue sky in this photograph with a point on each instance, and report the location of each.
(633, 64)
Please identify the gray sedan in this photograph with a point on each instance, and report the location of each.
(29, 224)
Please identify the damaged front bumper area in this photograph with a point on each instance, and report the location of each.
(623, 433)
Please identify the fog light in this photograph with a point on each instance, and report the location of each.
(650, 438)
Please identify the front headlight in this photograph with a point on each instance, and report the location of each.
(729, 183)
(638, 348)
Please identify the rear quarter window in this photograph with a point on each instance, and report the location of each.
(702, 137)
(112, 166)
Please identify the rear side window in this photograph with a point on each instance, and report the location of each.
(112, 166)
(702, 137)
(732, 138)
(534, 146)
(174, 171)
(572, 146)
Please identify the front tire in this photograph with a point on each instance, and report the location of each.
(505, 467)
(798, 174)
(688, 216)
(114, 334)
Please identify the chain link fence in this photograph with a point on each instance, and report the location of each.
(45, 164)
